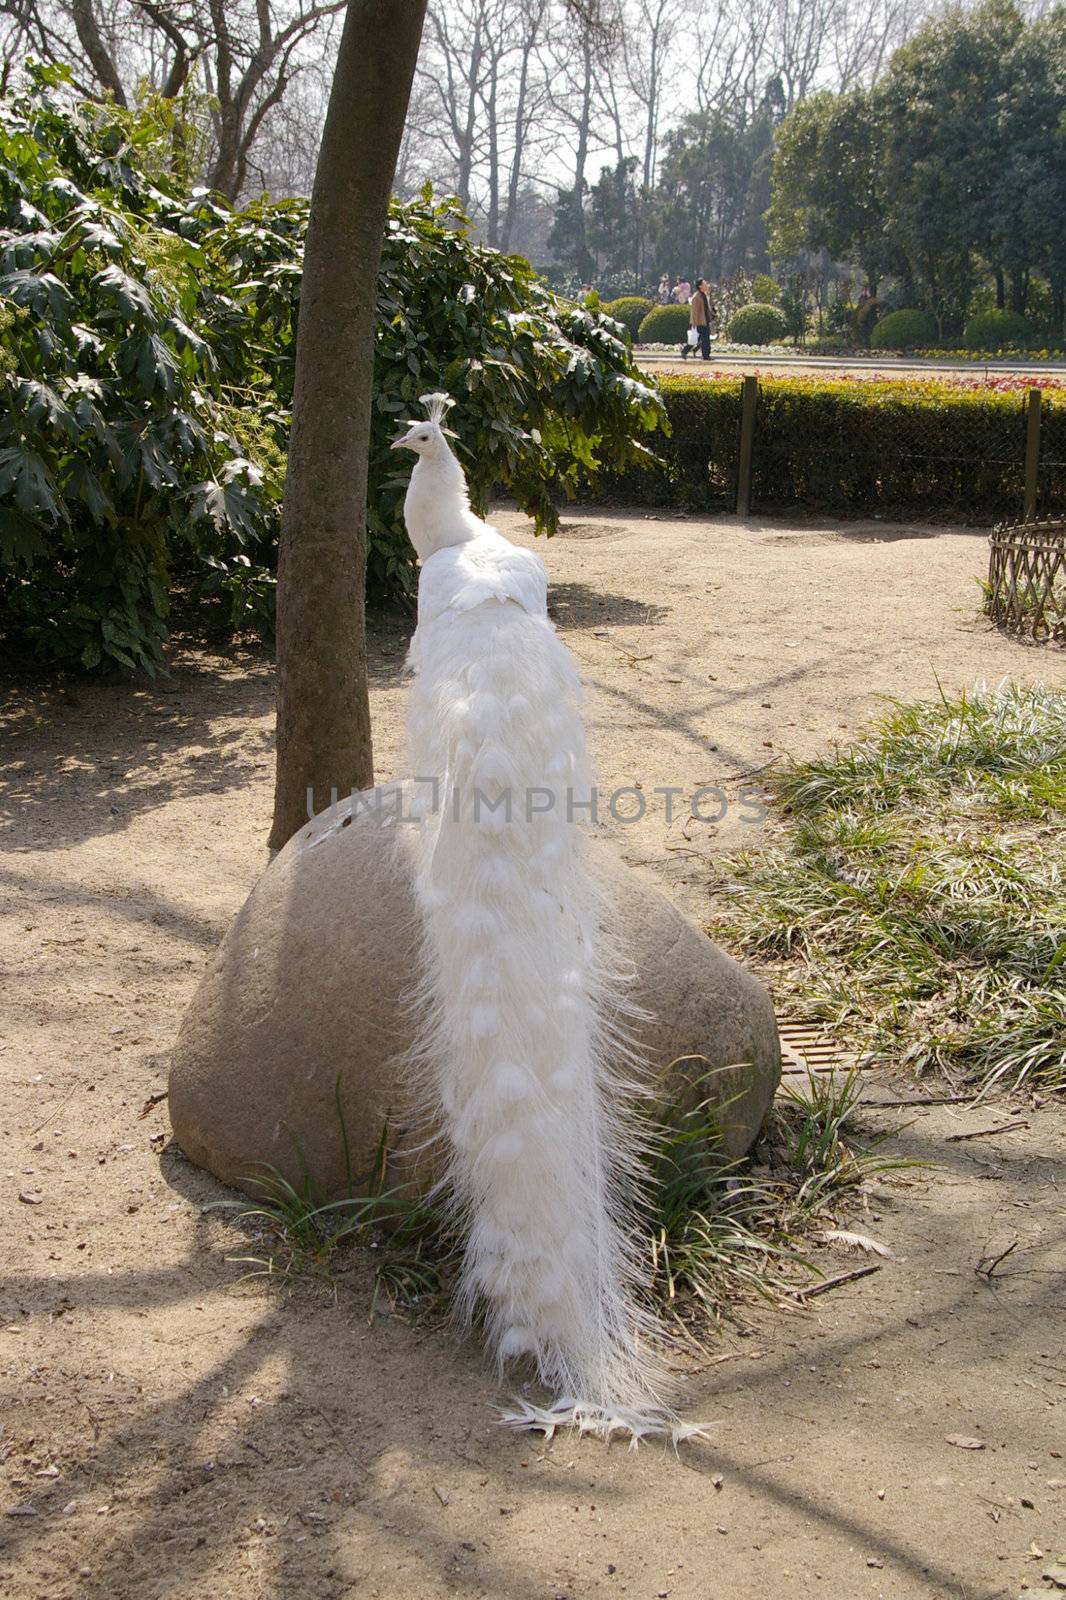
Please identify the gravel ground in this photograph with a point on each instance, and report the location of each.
(174, 1429)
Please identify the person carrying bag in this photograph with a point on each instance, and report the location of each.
(700, 312)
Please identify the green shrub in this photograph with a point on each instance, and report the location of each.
(794, 308)
(630, 311)
(758, 324)
(765, 291)
(904, 330)
(147, 338)
(664, 325)
(992, 330)
(118, 463)
(864, 318)
(852, 447)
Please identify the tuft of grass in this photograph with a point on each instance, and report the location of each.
(917, 901)
(717, 1234)
(410, 1241)
(725, 1232)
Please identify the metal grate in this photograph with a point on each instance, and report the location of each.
(805, 1048)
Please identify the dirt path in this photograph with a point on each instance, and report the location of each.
(171, 1432)
(735, 365)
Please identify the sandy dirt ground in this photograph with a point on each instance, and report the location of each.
(174, 1430)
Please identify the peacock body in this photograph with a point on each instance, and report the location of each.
(523, 1007)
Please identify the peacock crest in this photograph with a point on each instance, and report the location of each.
(437, 405)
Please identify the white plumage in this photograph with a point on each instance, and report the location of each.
(522, 1036)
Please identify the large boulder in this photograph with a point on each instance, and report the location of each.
(290, 1055)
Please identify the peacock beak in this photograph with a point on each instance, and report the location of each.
(406, 440)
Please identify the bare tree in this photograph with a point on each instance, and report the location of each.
(654, 28)
(582, 95)
(529, 100)
(324, 738)
(865, 35)
(248, 52)
(455, 72)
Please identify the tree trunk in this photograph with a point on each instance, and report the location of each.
(467, 140)
(521, 126)
(493, 231)
(323, 707)
(581, 250)
(91, 40)
(1001, 290)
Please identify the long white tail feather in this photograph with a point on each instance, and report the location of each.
(523, 1007)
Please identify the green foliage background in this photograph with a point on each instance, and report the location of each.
(949, 171)
(147, 343)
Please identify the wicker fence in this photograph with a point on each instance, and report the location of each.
(1027, 578)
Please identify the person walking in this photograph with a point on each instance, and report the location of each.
(700, 314)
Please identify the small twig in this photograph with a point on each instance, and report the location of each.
(153, 1100)
(835, 1283)
(927, 1100)
(984, 1133)
(988, 1264)
(55, 1113)
(731, 777)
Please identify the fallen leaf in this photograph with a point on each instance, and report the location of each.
(960, 1441)
(856, 1241)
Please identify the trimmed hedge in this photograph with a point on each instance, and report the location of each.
(664, 325)
(630, 310)
(758, 324)
(858, 448)
(992, 330)
(904, 330)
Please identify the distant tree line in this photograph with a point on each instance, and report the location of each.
(947, 177)
(834, 142)
(533, 113)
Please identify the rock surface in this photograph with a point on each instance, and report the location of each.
(288, 1054)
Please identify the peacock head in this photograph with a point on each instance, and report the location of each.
(427, 439)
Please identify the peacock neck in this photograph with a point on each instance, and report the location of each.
(437, 505)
